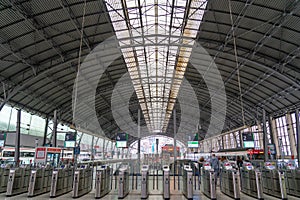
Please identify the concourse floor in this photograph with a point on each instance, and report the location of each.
(155, 194)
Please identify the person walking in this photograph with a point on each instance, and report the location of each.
(200, 164)
(214, 161)
(223, 161)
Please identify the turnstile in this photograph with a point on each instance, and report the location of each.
(293, 182)
(187, 178)
(230, 181)
(61, 181)
(251, 183)
(274, 183)
(4, 174)
(166, 182)
(83, 180)
(123, 182)
(40, 180)
(18, 180)
(103, 181)
(208, 182)
(144, 184)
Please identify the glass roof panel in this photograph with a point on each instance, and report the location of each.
(156, 39)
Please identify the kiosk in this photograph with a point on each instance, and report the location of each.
(47, 156)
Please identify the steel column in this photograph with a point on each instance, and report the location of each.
(18, 138)
(92, 149)
(45, 131)
(139, 137)
(54, 131)
(298, 135)
(266, 158)
(103, 149)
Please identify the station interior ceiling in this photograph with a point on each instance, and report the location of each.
(236, 57)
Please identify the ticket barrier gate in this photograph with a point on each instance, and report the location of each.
(274, 181)
(208, 182)
(145, 179)
(230, 181)
(61, 181)
(123, 182)
(83, 181)
(251, 183)
(18, 180)
(293, 182)
(4, 174)
(40, 180)
(187, 177)
(103, 181)
(166, 182)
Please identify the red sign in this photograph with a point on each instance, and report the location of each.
(40, 153)
(53, 150)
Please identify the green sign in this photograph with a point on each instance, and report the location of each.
(193, 144)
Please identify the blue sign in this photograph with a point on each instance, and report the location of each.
(76, 150)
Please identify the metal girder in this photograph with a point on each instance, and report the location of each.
(237, 22)
(258, 45)
(35, 96)
(19, 56)
(257, 63)
(36, 77)
(64, 4)
(32, 23)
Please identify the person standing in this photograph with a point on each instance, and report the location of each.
(239, 162)
(214, 161)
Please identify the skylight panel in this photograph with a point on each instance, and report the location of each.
(156, 45)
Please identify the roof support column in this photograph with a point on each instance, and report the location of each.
(54, 131)
(241, 139)
(273, 131)
(139, 138)
(174, 149)
(298, 135)
(92, 149)
(45, 131)
(265, 134)
(291, 134)
(103, 149)
(229, 141)
(223, 142)
(17, 139)
(260, 134)
(174, 120)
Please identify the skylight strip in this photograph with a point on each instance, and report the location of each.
(156, 17)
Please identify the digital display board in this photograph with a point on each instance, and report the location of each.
(248, 144)
(70, 139)
(247, 136)
(121, 144)
(193, 144)
(70, 136)
(2, 139)
(70, 144)
(121, 140)
(248, 140)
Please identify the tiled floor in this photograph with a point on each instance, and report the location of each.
(155, 194)
(114, 196)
